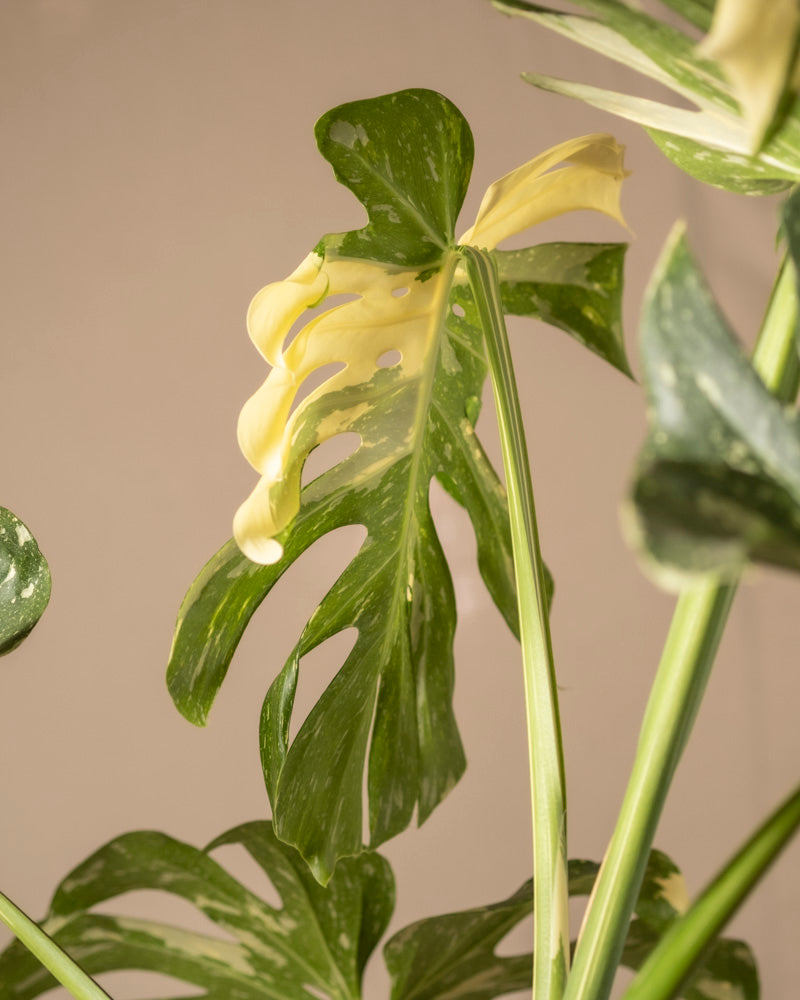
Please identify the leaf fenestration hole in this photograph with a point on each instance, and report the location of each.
(237, 860)
(313, 381)
(328, 454)
(389, 359)
(517, 941)
(398, 293)
(317, 669)
(307, 315)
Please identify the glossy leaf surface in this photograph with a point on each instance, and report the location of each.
(24, 581)
(718, 481)
(715, 142)
(454, 956)
(316, 944)
(389, 709)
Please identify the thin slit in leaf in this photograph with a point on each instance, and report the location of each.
(317, 669)
(329, 454)
(317, 378)
(237, 860)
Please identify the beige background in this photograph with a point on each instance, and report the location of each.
(158, 167)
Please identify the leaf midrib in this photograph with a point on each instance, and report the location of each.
(403, 200)
(423, 407)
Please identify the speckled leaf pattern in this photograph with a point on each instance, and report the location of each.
(453, 957)
(718, 481)
(407, 157)
(389, 709)
(315, 945)
(24, 581)
(713, 143)
(576, 287)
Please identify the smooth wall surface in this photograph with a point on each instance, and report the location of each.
(159, 167)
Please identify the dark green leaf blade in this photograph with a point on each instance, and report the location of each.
(719, 168)
(212, 618)
(407, 157)
(392, 699)
(718, 480)
(576, 287)
(317, 943)
(452, 957)
(24, 581)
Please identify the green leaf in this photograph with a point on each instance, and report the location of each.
(407, 157)
(713, 143)
(24, 581)
(696, 12)
(316, 944)
(686, 138)
(389, 709)
(453, 956)
(722, 169)
(691, 940)
(718, 480)
(576, 287)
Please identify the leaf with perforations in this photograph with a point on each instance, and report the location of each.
(408, 379)
(316, 944)
(453, 956)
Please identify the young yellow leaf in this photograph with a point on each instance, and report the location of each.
(756, 45)
(535, 192)
(276, 440)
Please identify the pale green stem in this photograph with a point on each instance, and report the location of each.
(694, 636)
(56, 961)
(548, 794)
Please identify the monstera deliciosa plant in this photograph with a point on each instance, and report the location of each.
(386, 334)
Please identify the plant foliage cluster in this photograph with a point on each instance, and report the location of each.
(405, 359)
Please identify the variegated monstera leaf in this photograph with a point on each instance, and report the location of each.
(743, 133)
(717, 483)
(407, 379)
(315, 944)
(318, 942)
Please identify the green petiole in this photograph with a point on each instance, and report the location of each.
(692, 643)
(548, 792)
(53, 958)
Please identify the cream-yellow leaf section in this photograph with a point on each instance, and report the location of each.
(755, 44)
(536, 192)
(393, 311)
